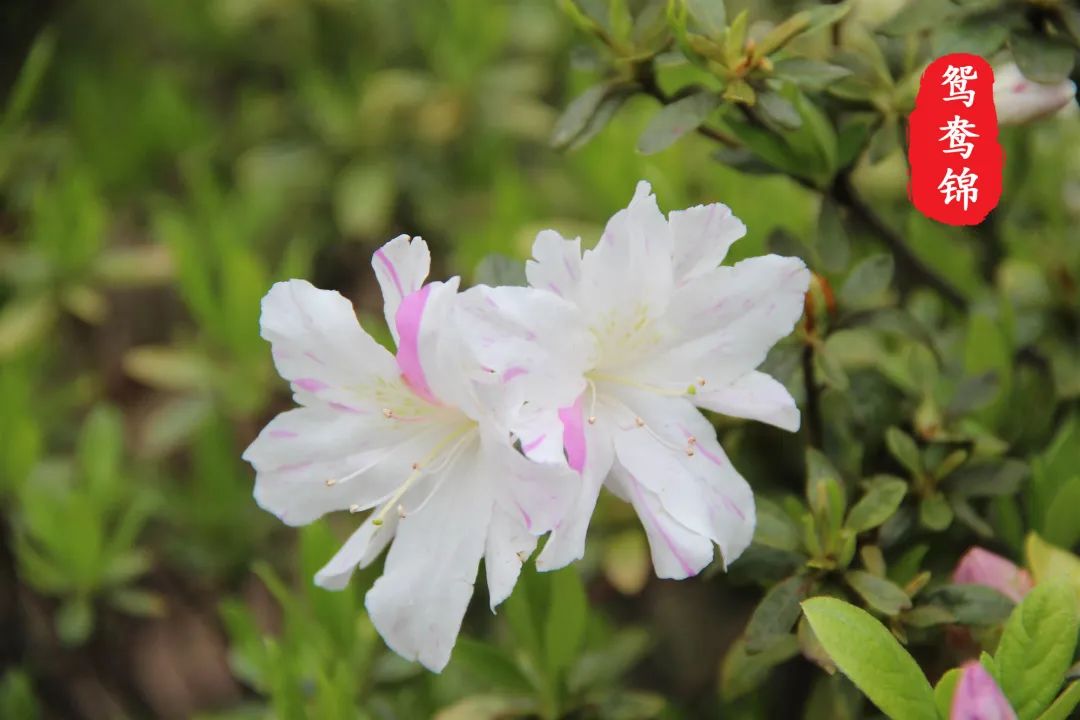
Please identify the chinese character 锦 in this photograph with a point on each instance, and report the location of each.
(957, 132)
(959, 188)
(957, 79)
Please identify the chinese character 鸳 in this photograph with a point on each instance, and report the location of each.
(957, 79)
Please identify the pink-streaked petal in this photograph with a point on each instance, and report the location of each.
(720, 325)
(536, 494)
(319, 346)
(701, 238)
(573, 421)
(509, 544)
(982, 567)
(531, 342)
(409, 317)
(566, 543)
(754, 396)
(555, 264)
(978, 697)
(677, 552)
(418, 604)
(674, 454)
(401, 266)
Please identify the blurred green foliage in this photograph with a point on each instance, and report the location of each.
(162, 163)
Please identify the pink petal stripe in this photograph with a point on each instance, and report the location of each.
(390, 269)
(642, 505)
(283, 434)
(311, 385)
(533, 444)
(409, 315)
(512, 372)
(573, 421)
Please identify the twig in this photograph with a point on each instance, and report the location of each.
(813, 405)
(904, 255)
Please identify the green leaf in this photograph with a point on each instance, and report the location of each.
(902, 447)
(985, 479)
(776, 614)
(1040, 58)
(1064, 705)
(579, 114)
(675, 120)
(868, 282)
(564, 629)
(775, 528)
(777, 110)
(498, 269)
(871, 658)
(879, 593)
(17, 698)
(833, 243)
(169, 368)
(878, 504)
(363, 199)
(935, 513)
(1049, 563)
(487, 707)
(604, 666)
(489, 665)
(740, 91)
(943, 691)
(741, 672)
(711, 15)
(1060, 526)
(75, 621)
(1036, 648)
(973, 604)
(809, 74)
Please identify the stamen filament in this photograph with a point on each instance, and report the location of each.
(418, 470)
(655, 389)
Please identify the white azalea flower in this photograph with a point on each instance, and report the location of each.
(1019, 100)
(670, 331)
(422, 438)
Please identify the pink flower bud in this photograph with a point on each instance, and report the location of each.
(982, 567)
(1020, 100)
(978, 697)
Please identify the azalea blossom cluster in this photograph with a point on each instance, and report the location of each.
(505, 410)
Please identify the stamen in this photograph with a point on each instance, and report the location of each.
(387, 413)
(417, 472)
(688, 448)
(592, 402)
(331, 482)
(654, 389)
(354, 509)
(701, 382)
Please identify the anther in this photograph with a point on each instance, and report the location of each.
(400, 511)
(354, 509)
(416, 466)
(639, 422)
(331, 482)
(592, 419)
(691, 440)
(387, 413)
(690, 452)
(701, 381)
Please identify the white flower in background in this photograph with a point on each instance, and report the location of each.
(1019, 100)
(422, 438)
(670, 330)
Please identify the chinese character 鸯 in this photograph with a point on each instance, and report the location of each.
(957, 132)
(959, 188)
(957, 79)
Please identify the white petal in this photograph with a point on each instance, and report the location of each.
(365, 465)
(701, 237)
(530, 342)
(754, 396)
(701, 490)
(556, 264)
(628, 276)
(401, 266)
(419, 602)
(509, 544)
(721, 324)
(359, 551)
(567, 541)
(319, 346)
(431, 355)
(538, 494)
(677, 552)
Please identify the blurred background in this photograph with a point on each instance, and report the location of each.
(162, 163)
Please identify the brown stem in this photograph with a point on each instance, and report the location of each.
(904, 255)
(813, 404)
